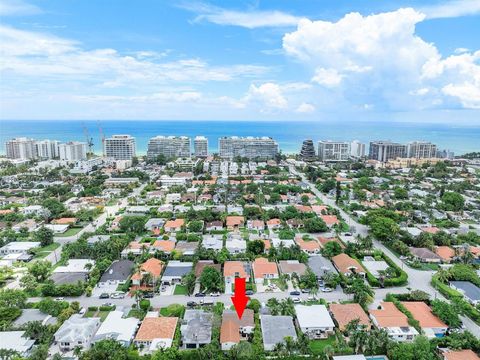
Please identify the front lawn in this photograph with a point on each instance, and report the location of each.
(180, 290)
(317, 346)
(70, 232)
(40, 253)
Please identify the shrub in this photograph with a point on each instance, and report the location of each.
(145, 304)
(92, 308)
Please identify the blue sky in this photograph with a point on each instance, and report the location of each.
(232, 60)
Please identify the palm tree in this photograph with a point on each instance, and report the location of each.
(443, 275)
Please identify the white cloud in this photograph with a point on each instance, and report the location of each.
(451, 9)
(248, 19)
(269, 94)
(327, 77)
(380, 60)
(305, 108)
(17, 8)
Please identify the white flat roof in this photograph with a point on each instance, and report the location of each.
(75, 266)
(21, 245)
(313, 316)
(117, 327)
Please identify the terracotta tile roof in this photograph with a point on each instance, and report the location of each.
(319, 208)
(164, 245)
(345, 263)
(423, 314)
(475, 250)
(258, 224)
(345, 313)
(229, 332)
(157, 328)
(272, 222)
(330, 219)
(267, 243)
(303, 208)
(311, 245)
(6, 211)
(231, 268)
(235, 220)
(64, 221)
(262, 267)
(137, 245)
(445, 252)
(152, 266)
(246, 320)
(389, 316)
(460, 355)
(431, 229)
(323, 240)
(176, 224)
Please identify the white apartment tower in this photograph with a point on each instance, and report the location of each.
(120, 147)
(357, 149)
(332, 151)
(200, 146)
(73, 151)
(48, 149)
(21, 148)
(386, 150)
(421, 150)
(260, 148)
(169, 146)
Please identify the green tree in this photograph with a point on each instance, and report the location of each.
(40, 270)
(256, 247)
(189, 281)
(195, 226)
(331, 249)
(315, 225)
(446, 312)
(453, 201)
(55, 207)
(384, 228)
(44, 236)
(211, 279)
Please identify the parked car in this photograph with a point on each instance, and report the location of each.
(312, 298)
(326, 289)
(117, 295)
(200, 294)
(109, 304)
(191, 304)
(104, 296)
(249, 292)
(59, 299)
(296, 300)
(82, 311)
(306, 291)
(148, 295)
(295, 293)
(215, 294)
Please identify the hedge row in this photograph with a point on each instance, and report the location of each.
(400, 280)
(411, 320)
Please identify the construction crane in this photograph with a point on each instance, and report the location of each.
(88, 139)
(102, 136)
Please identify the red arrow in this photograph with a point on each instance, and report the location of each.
(240, 300)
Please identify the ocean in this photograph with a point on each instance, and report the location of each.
(289, 134)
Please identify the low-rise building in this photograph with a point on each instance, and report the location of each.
(117, 273)
(196, 329)
(347, 265)
(314, 321)
(117, 328)
(174, 225)
(175, 270)
(346, 313)
(290, 267)
(467, 354)
(18, 247)
(76, 331)
(233, 329)
(425, 255)
(156, 333)
(153, 267)
(395, 322)
(431, 325)
(16, 341)
(264, 270)
(275, 329)
(471, 292)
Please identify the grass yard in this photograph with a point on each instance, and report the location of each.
(180, 290)
(70, 232)
(44, 251)
(317, 346)
(136, 313)
(96, 313)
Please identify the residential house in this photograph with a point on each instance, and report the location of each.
(235, 244)
(235, 222)
(212, 242)
(320, 266)
(314, 321)
(75, 270)
(156, 332)
(446, 253)
(135, 248)
(117, 328)
(234, 329)
(214, 226)
(346, 313)
(275, 329)
(395, 322)
(31, 315)
(347, 265)
(234, 269)
(290, 267)
(166, 246)
(295, 223)
(117, 273)
(330, 220)
(425, 255)
(196, 329)
(264, 269)
(18, 247)
(16, 341)
(97, 238)
(310, 247)
(467, 354)
(431, 325)
(76, 331)
(29, 224)
(153, 267)
(202, 264)
(187, 248)
(174, 225)
(471, 292)
(256, 225)
(175, 270)
(154, 225)
(274, 224)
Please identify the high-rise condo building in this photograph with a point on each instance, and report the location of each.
(308, 151)
(200, 146)
(332, 151)
(73, 151)
(47, 149)
(421, 150)
(21, 148)
(357, 149)
(169, 146)
(120, 147)
(258, 148)
(386, 150)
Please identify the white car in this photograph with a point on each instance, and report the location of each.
(59, 299)
(214, 294)
(296, 300)
(117, 295)
(326, 289)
